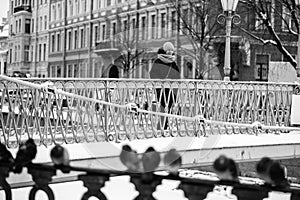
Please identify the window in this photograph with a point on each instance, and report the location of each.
(58, 42)
(40, 52)
(268, 7)
(53, 13)
(32, 25)
(17, 23)
(45, 22)
(45, 52)
(76, 7)
(10, 56)
(75, 75)
(41, 23)
(287, 20)
(83, 5)
(88, 38)
(70, 69)
(103, 35)
(108, 3)
(58, 71)
(27, 25)
(20, 21)
(82, 43)
(16, 53)
(70, 8)
(143, 28)
(69, 40)
(52, 43)
(125, 28)
(59, 11)
(173, 23)
(19, 53)
(96, 34)
(31, 52)
(75, 39)
(262, 66)
(114, 28)
(163, 25)
(153, 26)
(26, 53)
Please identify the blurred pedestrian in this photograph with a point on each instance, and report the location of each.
(278, 175)
(226, 169)
(165, 67)
(263, 168)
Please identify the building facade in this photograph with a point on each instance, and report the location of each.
(28, 41)
(3, 46)
(120, 38)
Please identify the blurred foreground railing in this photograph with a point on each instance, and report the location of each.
(96, 110)
(145, 179)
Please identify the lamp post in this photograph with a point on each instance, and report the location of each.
(228, 17)
(298, 47)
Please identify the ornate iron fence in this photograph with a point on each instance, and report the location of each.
(81, 110)
(145, 181)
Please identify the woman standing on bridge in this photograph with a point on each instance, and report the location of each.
(165, 67)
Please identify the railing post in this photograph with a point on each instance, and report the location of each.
(145, 185)
(41, 177)
(106, 93)
(250, 194)
(93, 183)
(195, 191)
(4, 173)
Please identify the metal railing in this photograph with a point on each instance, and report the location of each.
(81, 110)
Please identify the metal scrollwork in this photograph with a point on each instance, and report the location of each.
(221, 19)
(236, 19)
(297, 90)
(93, 183)
(42, 178)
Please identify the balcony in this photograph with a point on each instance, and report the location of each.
(107, 45)
(20, 8)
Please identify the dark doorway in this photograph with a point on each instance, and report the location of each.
(113, 72)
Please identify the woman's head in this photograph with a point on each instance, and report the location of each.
(169, 48)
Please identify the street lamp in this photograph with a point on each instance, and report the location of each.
(228, 17)
(298, 46)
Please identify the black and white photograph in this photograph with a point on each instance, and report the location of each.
(150, 99)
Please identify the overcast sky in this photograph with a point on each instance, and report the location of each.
(3, 8)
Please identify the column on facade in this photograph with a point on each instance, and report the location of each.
(168, 21)
(194, 68)
(181, 66)
(147, 27)
(141, 65)
(158, 33)
(157, 26)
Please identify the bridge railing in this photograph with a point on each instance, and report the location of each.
(81, 110)
(243, 102)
